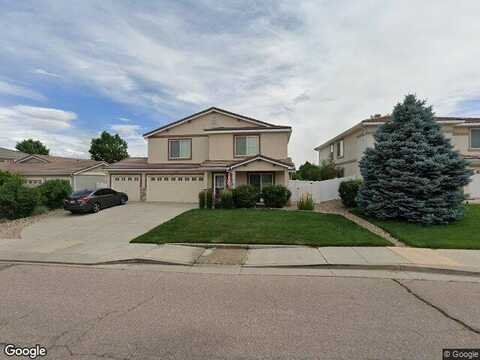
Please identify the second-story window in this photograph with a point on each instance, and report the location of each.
(247, 145)
(331, 151)
(475, 138)
(180, 149)
(340, 149)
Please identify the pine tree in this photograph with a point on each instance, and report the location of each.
(413, 173)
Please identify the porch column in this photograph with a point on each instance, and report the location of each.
(234, 182)
(205, 180)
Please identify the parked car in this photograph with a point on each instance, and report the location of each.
(94, 200)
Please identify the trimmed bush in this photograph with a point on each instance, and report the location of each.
(209, 198)
(201, 199)
(348, 191)
(245, 196)
(275, 196)
(305, 202)
(53, 192)
(16, 200)
(39, 210)
(226, 199)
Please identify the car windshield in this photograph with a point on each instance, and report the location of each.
(84, 192)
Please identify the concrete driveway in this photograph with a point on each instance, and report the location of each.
(91, 238)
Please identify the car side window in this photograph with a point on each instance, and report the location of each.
(110, 192)
(100, 192)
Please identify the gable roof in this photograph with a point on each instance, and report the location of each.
(41, 158)
(379, 120)
(11, 154)
(212, 109)
(51, 165)
(283, 163)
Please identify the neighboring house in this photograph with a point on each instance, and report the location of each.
(213, 149)
(36, 169)
(347, 148)
(9, 156)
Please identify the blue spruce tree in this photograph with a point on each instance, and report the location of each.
(413, 173)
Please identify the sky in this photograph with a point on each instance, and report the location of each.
(71, 69)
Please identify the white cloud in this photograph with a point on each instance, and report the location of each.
(131, 133)
(46, 73)
(319, 66)
(53, 127)
(20, 91)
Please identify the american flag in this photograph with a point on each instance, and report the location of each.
(229, 180)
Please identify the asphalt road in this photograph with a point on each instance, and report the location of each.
(90, 313)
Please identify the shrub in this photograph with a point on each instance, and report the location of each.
(348, 191)
(275, 196)
(53, 192)
(201, 199)
(226, 199)
(245, 196)
(39, 210)
(305, 202)
(209, 198)
(5, 175)
(16, 200)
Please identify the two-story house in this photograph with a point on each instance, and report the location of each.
(214, 149)
(347, 148)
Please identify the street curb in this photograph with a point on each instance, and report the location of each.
(406, 268)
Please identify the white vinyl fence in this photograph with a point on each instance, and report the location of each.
(473, 189)
(321, 190)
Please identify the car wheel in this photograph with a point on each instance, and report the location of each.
(96, 207)
(123, 200)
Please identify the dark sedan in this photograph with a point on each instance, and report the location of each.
(93, 200)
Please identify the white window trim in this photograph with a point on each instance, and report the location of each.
(261, 178)
(170, 157)
(246, 145)
(340, 154)
(470, 139)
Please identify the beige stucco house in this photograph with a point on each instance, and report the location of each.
(36, 169)
(214, 149)
(347, 148)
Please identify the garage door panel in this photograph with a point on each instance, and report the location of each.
(129, 184)
(174, 188)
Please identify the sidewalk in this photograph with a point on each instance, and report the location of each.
(258, 256)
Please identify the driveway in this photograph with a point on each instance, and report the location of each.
(90, 238)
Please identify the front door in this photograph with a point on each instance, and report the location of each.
(218, 185)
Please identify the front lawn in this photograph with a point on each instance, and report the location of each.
(255, 226)
(462, 234)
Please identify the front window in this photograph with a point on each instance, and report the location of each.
(260, 180)
(340, 148)
(180, 149)
(246, 145)
(475, 138)
(331, 151)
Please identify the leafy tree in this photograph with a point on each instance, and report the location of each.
(312, 172)
(413, 173)
(31, 146)
(328, 170)
(308, 171)
(109, 148)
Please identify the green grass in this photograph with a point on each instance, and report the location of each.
(254, 226)
(462, 234)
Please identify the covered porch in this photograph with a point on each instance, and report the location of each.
(258, 172)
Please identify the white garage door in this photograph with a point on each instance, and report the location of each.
(174, 188)
(129, 184)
